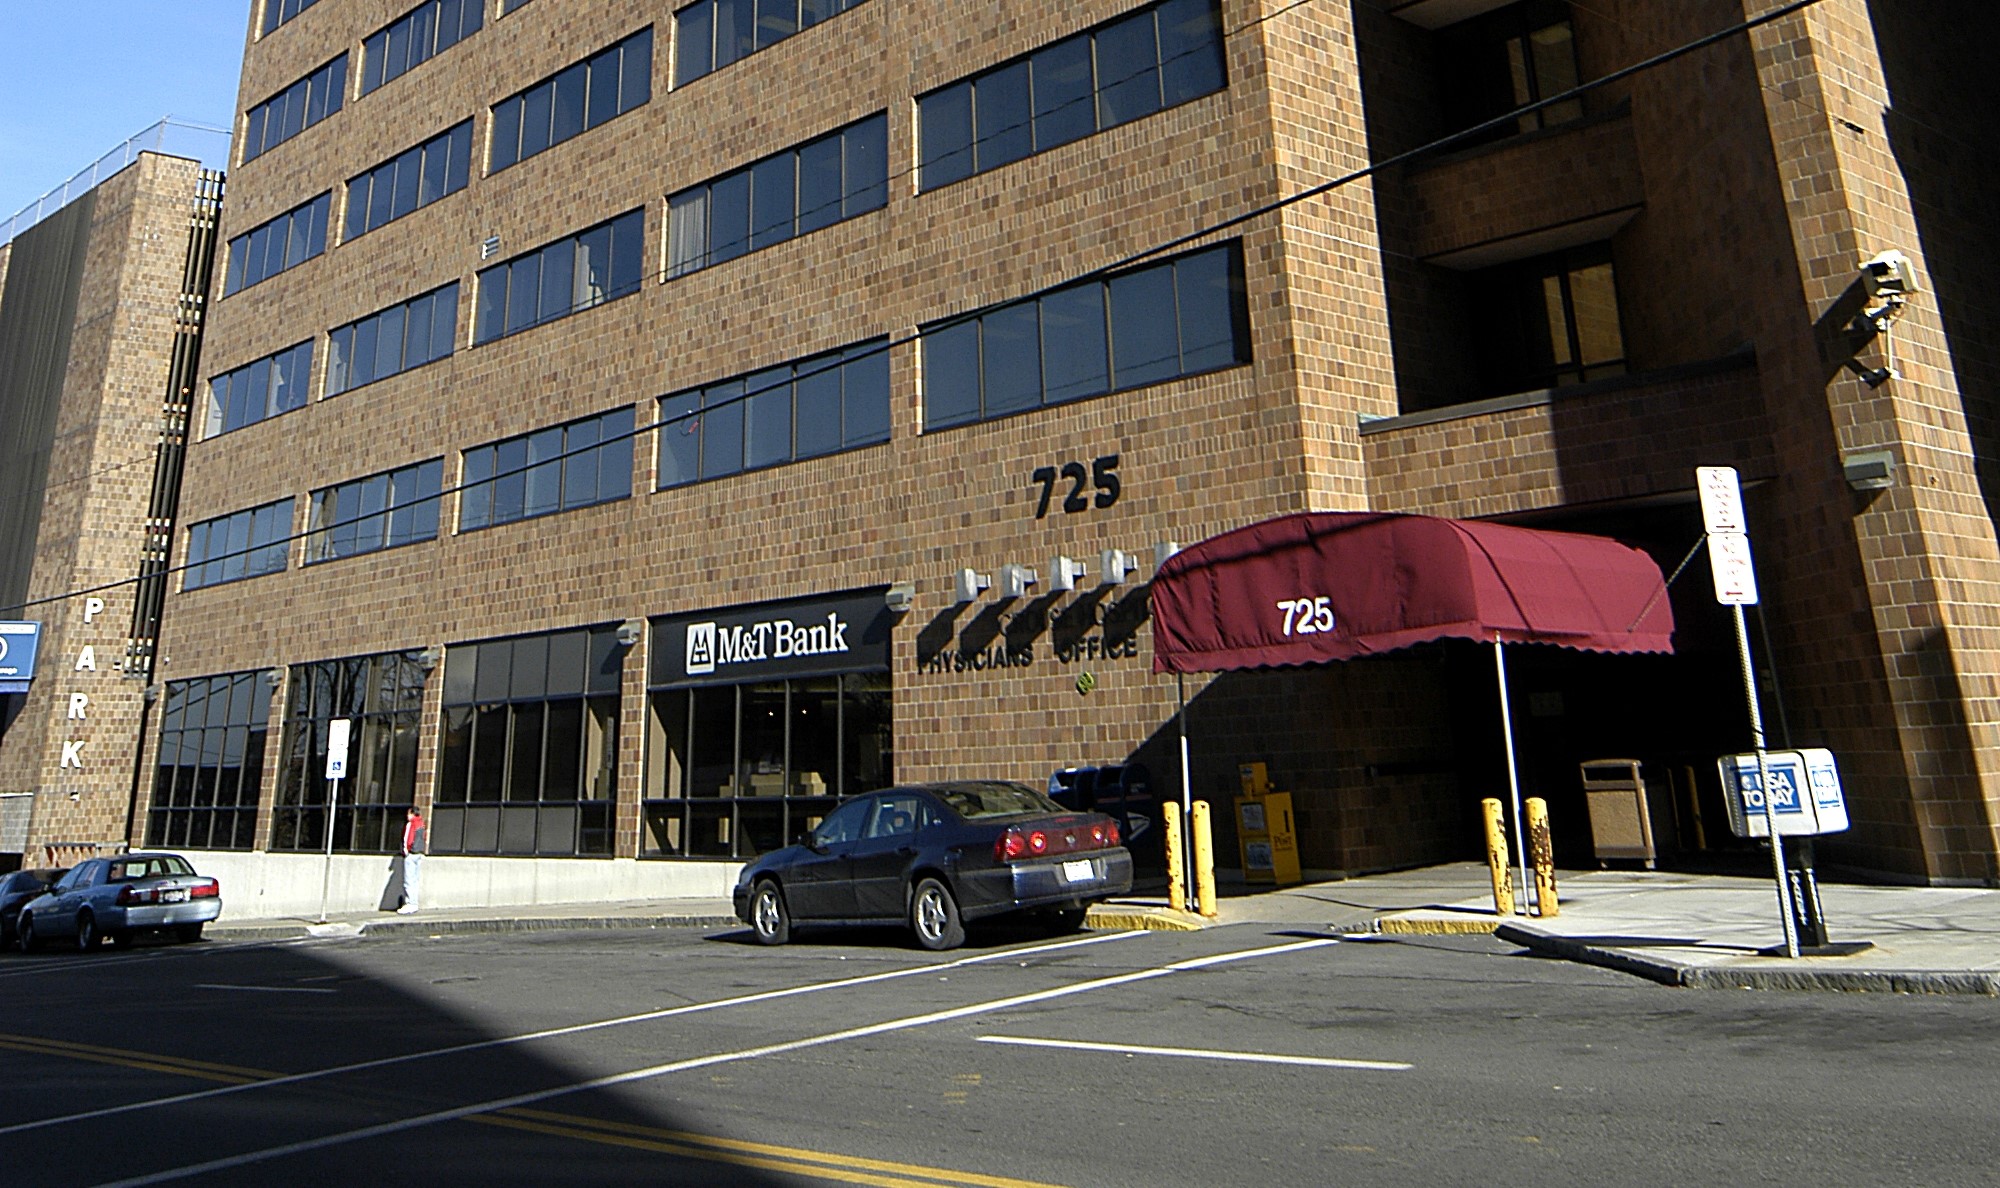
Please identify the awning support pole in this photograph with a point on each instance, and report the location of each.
(1513, 773)
(1187, 790)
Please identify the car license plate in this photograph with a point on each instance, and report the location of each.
(174, 895)
(1078, 872)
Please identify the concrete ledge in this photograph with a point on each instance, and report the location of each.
(418, 925)
(1122, 917)
(1788, 976)
(1434, 925)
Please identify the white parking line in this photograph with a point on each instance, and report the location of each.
(572, 1029)
(660, 1070)
(1200, 1053)
(266, 989)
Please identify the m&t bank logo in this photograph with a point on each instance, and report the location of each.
(700, 648)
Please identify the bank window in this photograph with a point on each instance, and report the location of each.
(1550, 321)
(411, 334)
(383, 695)
(588, 93)
(820, 183)
(277, 12)
(1505, 60)
(271, 247)
(258, 391)
(1163, 321)
(209, 771)
(583, 270)
(246, 544)
(416, 37)
(711, 34)
(409, 181)
(547, 471)
(1161, 56)
(738, 770)
(821, 405)
(382, 511)
(294, 109)
(528, 752)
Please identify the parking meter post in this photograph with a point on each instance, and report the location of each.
(1497, 865)
(1204, 861)
(1542, 852)
(1176, 864)
(1764, 788)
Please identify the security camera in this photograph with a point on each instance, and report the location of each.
(1890, 275)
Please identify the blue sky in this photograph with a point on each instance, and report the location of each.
(79, 76)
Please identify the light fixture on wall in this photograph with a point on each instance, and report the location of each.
(1063, 573)
(430, 658)
(1114, 566)
(900, 597)
(274, 678)
(630, 632)
(1869, 470)
(1164, 550)
(966, 586)
(1015, 580)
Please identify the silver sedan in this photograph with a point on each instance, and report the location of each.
(120, 897)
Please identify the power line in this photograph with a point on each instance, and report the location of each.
(1101, 272)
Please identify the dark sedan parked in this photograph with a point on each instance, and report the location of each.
(16, 890)
(120, 897)
(937, 856)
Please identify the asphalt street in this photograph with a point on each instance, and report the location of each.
(1237, 1055)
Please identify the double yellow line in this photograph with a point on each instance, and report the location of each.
(680, 1143)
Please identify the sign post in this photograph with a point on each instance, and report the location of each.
(337, 732)
(1736, 587)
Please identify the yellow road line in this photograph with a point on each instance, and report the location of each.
(141, 1063)
(248, 1074)
(764, 1156)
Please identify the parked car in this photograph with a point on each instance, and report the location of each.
(120, 897)
(17, 889)
(937, 856)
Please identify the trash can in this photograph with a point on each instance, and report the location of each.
(1620, 824)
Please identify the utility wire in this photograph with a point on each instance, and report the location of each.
(1101, 272)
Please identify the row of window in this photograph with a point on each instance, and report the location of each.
(711, 34)
(406, 335)
(294, 109)
(210, 768)
(591, 92)
(381, 511)
(819, 183)
(588, 268)
(259, 390)
(550, 470)
(277, 12)
(409, 181)
(416, 37)
(245, 544)
(830, 402)
(277, 244)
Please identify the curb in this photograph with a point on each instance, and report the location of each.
(442, 927)
(1672, 973)
(1136, 919)
(1433, 926)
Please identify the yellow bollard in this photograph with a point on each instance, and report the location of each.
(1170, 816)
(1543, 853)
(1497, 863)
(1204, 861)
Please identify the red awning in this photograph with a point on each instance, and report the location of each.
(1321, 586)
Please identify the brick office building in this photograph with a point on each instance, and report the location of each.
(100, 326)
(591, 413)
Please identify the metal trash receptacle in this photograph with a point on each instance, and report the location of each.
(1620, 824)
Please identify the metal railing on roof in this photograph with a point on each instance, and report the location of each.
(201, 142)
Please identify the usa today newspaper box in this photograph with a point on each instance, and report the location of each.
(1805, 793)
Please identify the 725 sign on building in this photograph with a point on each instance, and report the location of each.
(1102, 477)
(1307, 616)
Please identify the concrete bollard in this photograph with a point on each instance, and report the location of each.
(1176, 858)
(1497, 863)
(1542, 852)
(1204, 861)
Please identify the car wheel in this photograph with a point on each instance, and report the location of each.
(1063, 921)
(24, 931)
(87, 935)
(188, 933)
(934, 917)
(769, 918)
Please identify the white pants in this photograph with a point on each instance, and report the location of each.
(413, 866)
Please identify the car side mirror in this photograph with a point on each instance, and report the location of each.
(811, 841)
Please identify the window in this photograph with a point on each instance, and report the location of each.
(713, 33)
(1142, 326)
(821, 405)
(1158, 57)
(528, 750)
(738, 770)
(284, 242)
(210, 768)
(416, 37)
(277, 12)
(588, 93)
(382, 511)
(836, 177)
(551, 470)
(1550, 321)
(507, 6)
(378, 346)
(294, 109)
(258, 391)
(1504, 60)
(586, 269)
(383, 695)
(248, 544)
(409, 181)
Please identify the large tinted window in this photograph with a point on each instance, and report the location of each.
(294, 109)
(1157, 322)
(710, 34)
(247, 544)
(383, 695)
(609, 83)
(837, 176)
(586, 269)
(277, 12)
(830, 402)
(382, 511)
(266, 250)
(1160, 56)
(407, 335)
(258, 391)
(409, 181)
(416, 37)
(210, 766)
(550, 470)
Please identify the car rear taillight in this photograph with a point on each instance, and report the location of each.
(206, 889)
(1111, 834)
(1009, 845)
(1019, 842)
(127, 896)
(1038, 842)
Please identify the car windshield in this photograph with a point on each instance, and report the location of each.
(151, 866)
(995, 798)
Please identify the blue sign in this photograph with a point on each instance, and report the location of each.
(1822, 810)
(19, 642)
